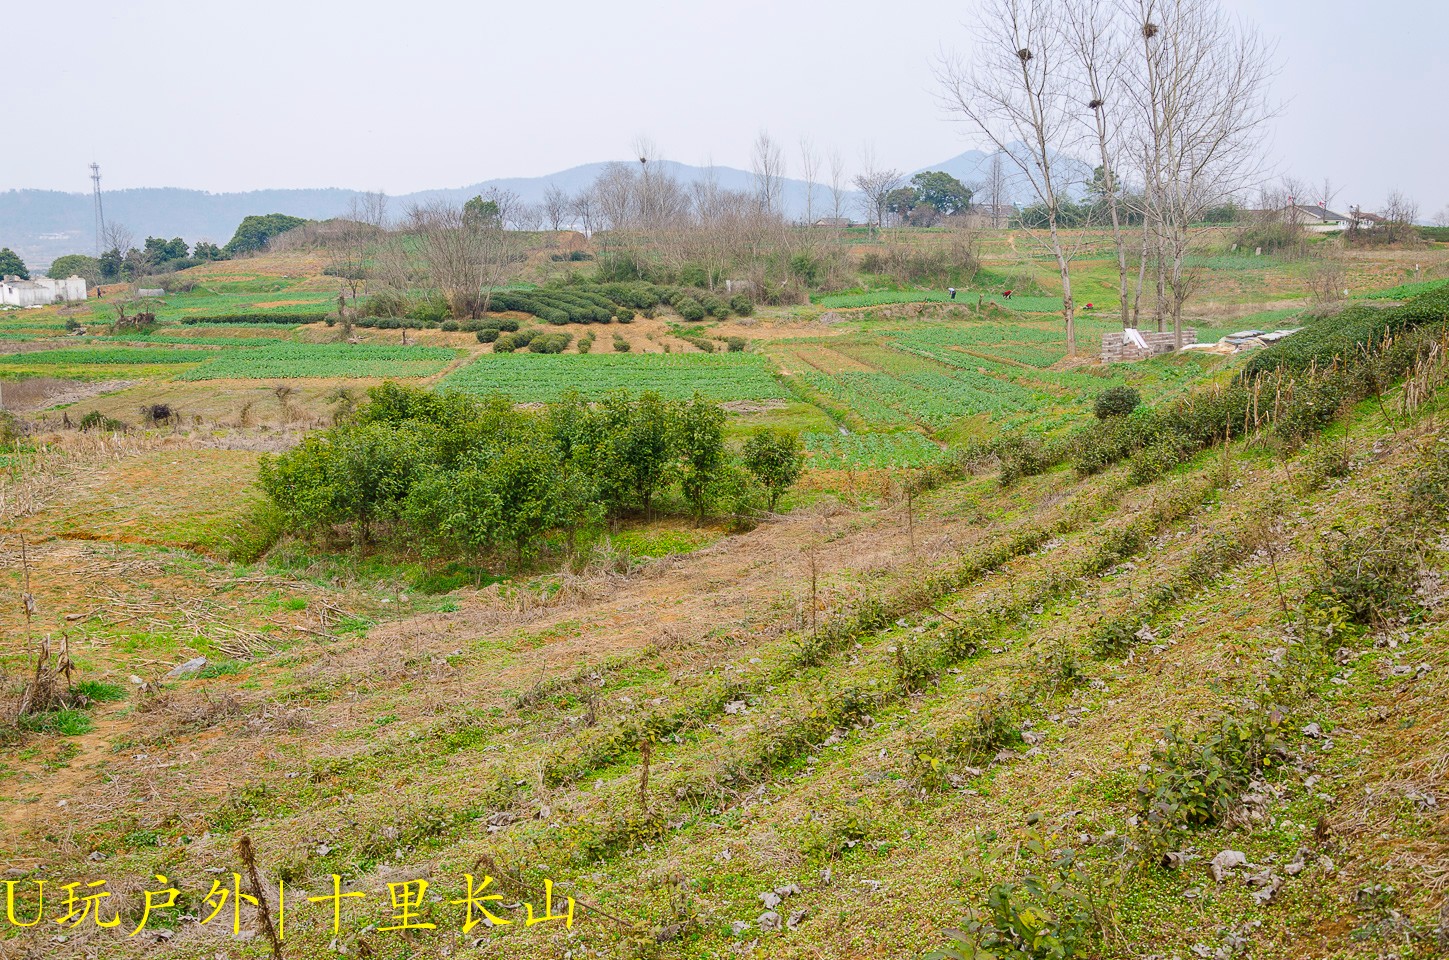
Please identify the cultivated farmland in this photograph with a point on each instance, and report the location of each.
(531, 378)
(322, 360)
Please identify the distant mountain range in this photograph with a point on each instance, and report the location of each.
(41, 225)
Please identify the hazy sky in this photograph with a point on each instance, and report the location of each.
(427, 93)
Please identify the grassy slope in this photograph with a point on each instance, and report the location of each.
(382, 756)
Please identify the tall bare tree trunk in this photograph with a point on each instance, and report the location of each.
(1141, 276)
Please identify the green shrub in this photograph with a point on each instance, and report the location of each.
(550, 343)
(1196, 781)
(95, 420)
(431, 310)
(487, 335)
(620, 344)
(1117, 402)
(736, 344)
(742, 305)
(1022, 456)
(1157, 459)
(689, 308)
(1052, 910)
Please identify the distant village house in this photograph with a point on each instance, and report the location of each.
(15, 292)
(986, 216)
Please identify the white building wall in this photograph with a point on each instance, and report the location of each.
(71, 288)
(41, 291)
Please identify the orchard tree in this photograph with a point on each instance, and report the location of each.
(775, 458)
(11, 265)
(699, 438)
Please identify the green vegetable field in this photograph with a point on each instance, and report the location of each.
(105, 356)
(532, 378)
(289, 360)
(861, 451)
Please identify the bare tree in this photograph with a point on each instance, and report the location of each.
(348, 244)
(1018, 95)
(525, 216)
(875, 183)
(837, 184)
(1327, 190)
(1199, 82)
(1441, 219)
(118, 237)
(1091, 37)
(768, 164)
(556, 207)
(393, 276)
(583, 206)
(1400, 214)
(614, 196)
(810, 172)
(996, 188)
(467, 252)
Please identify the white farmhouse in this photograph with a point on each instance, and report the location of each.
(1319, 219)
(34, 293)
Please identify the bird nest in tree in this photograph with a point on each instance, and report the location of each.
(1023, 54)
(1149, 30)
(1095, 105)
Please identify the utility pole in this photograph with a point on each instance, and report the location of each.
(100, 213)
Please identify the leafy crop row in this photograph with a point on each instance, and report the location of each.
(120, 356)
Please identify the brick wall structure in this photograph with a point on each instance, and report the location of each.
(1117, 349)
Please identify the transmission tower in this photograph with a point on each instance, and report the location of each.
(100, 213)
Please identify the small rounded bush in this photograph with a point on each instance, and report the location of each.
(690, 308)
(1117, 402)
(487, 335)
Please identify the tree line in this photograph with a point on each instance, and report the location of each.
(464, 476)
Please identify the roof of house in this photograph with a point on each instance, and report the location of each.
(1321, 213)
